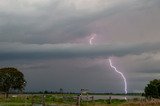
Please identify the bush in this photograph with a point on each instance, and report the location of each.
(152, 90)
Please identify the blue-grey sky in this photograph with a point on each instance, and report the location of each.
(48, 40)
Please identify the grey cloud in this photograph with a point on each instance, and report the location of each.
(150, 71)
(58, 51)
(143, 63)
(56, 21)
(70, 74)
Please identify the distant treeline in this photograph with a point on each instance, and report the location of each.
(76, 93)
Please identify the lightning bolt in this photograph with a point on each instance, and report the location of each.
(124, 79)
(111, 65)
(91, 39)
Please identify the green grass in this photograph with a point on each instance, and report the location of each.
(15, 104)
(69, 100)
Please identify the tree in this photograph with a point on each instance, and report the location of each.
(61, 91)
(11, 79)
(152, 90)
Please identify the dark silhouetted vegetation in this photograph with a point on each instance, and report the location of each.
(152, 90)
(11, 79)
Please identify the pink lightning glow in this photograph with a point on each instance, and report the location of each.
(113, 67)
(91, 39)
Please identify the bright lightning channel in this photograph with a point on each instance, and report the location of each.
(91, 39)
(125, 82)
(113, 67)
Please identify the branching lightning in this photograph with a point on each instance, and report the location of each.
(111, 65)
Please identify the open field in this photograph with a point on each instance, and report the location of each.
(70, 100)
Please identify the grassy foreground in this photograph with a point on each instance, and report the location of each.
(68, 100)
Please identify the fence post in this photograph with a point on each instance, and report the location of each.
(110, 100)
(78, 100)
(43, 100)
(32, 99)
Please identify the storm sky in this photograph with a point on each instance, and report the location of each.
(48, 40)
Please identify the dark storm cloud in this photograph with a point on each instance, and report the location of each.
(62, 21)
(59, 51)
(54, 22)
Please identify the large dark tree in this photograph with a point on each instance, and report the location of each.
(152, 90)
(11, 79)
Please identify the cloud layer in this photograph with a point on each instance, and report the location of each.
(64, 51)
